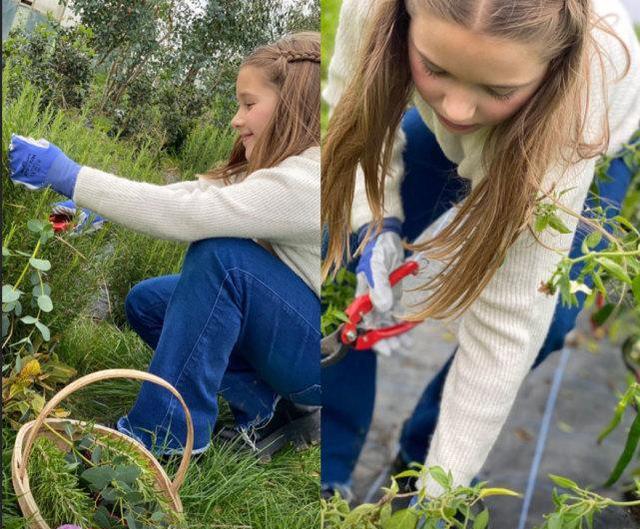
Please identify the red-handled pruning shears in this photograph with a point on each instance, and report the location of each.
(335, 345)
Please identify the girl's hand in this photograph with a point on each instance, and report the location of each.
(87, 221)
(382, 254)
(39, 164)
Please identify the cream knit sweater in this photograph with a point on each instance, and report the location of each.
(501, 333)
(279, 205)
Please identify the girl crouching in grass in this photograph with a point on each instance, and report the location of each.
(242, 318)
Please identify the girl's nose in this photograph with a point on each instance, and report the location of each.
(236, 121)
(459, 107)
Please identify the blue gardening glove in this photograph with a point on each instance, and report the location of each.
(382, 254)
(87, 220)
(37, 164)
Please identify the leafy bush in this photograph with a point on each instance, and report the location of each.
(57, 60)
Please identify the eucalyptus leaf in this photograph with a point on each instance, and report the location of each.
(127, 473)
(35, 225)
(45, 303)
(9, 294)
(98, 477)
(44, 331)
(40, 264)
(39, 289)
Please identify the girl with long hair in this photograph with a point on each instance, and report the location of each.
(510, 104)
(241, 320)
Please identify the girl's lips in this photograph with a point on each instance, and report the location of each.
(454, 127)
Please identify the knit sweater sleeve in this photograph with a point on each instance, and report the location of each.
(278, 204)
(354, 15)
(499, 337)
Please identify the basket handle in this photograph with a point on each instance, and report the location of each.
(107, 374)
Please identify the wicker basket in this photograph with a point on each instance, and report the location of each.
(31, 430)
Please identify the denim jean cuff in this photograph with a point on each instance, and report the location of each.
(124, 427)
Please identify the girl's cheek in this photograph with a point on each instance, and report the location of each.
(496, 111)
(428, 86)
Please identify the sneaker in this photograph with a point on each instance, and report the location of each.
(290, 423)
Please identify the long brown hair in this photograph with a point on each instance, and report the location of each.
(292, 65)
(516, 153)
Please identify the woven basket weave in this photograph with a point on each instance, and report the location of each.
(34, 429)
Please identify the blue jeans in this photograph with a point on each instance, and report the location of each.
(429, 188)
(236, 322)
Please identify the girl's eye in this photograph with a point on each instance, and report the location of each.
(501, 97)
(430, 70)
(249, 105)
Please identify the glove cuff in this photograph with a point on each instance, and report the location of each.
(393, 224)
(62, 175)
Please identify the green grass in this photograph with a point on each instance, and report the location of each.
(223, 488)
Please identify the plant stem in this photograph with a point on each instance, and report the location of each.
(24, 271)
(603, 254)
(68, 443)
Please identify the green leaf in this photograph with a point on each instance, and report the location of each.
(35, 225)
(614, 269)
(403, 519)
(555, 521)
(109, 494)
(557, 224)
(45, 303)
(565, 483)
(47, 233)
(40, 264)
(603, 314)
(44, 331)
(629, 449)
(593, 239)
(39, 290)
(96, 454)
(482, 520)
(131, 520)
(635, 287)
(9, 294)
(98, 477)
(5, 325)
(127, 473)
(101, 517)
(29, 320)
(618, 413)
(158, 516)
(541, 223)
(440, 476)
(5, 251)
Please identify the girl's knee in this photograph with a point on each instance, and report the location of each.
(133, 304)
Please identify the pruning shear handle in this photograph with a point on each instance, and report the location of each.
(362, 305)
